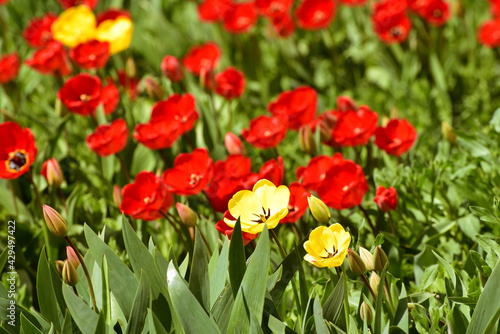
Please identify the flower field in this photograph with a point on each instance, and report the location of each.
(265, 166)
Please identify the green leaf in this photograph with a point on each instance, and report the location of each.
(484, 214)
(221, 311)
(45, 291)
(192, 316)
(82, 314)
(101, 324)
(106, 293)
(27, 327)
(218, 280)
(290, 267)
(333, 305)
(252, 292)
(141, 302)
(237, 259)
(199, 283)
(448, 268)
(456, 321)
(429, 276)
(378, 306)
(401, 316)
(319, 322)
(487, 311)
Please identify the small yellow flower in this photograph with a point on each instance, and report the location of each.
(266, 204)
(318, 209)
(74, 26)
(117, 32)
(327, 246)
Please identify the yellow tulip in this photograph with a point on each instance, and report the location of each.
(74, 26)
(266, 204)
(117, 32)
(327, 246)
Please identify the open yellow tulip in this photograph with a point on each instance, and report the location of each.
(117, 32)
(327, 246)
(74, 26)
(266, 204)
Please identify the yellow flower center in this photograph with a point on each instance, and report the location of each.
(262, 217)
(16, 161)
(85, 97)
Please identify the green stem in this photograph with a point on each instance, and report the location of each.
(179, 233)
(124, 167)
(280, 246)
(369, 287)
(393, 230)
(368, 219)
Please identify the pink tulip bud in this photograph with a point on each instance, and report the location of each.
(172, 69)
(117, 195)
(188, 216)
(52, 172)
(72, 257)
(55, 222)
(153, 89)
(233, 144)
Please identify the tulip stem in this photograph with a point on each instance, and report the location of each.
(124, 167)
(84, 266)
(11, 186)
(216, 115)
(205, 240)
(393, 230)
(280, 246)
(179, 233)
(369, 287)
(76, 292)
(368, 219)
(297, 231)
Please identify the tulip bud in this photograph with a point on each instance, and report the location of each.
(367, 258)
(130, 68)
(55, 222)
(59, 266)
(366, 313)
(374, 282)
(233, 144)
(52, 172)
(188, 216)
(306, 140)
(69, 274)
(207, 79)
(356, 265)
(448, 133)
(458, 8)
(345, 103)
(172, 69)
(385, 120)
(318, 209)
(117, 195)
(379, 259)
(72, 257)
(153, 89)
(394, 112)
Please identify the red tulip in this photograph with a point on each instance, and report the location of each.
(50, 59)
(272, 8)
(3, 2)
(52, 172)
(233, 144)
(283, 25)
(314, 174)
(171, 68)
(436, 12)
(81, 94)
(345, 103)
(297, 106)
(298, 204)
(230, 83)
(390, 21)
(17, 150)
(265, 132)
(110, 97)
(146, 198)
(344, 185)
(112, 14)
(273, 170)
(128, 83)
(315, 14)
(396, 138)
(71, 3)
(223, 228)
(9, 67)
(213, 10)
(38, 32)
(190, 174)
(354, 128)
(495, 8)
(202, 58)
(108, 139)
(489, 33)
(240, 18)
(157, 134)
(91, 55)
(180, 109)
(386, 199)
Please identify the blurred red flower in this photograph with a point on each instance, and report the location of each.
(38, 31)
(386, 199)
(283, 25)
(315, 14)
(129, 84)
(202, 58)
(230, 83)
(489, 33)
(265, 132)
(345, 103)
(354, 128)
(298, 204)
(223, 228)
(91, 55)
(171, 68)
(180, 109)
(9, 67)
(315, 173)
(110, 97)
(272, 8)
(146, 198)
(50, 59)
(191, 173)
(273, 170)
(112, 14)
(344, 185)
(240, 18)
(436, 12)
(108, 139)
(390, 22)
(71, 3)
(297, 106)
(81, 94)
(213, 10)
(17, 150)
(396, 138)
(157, 134)
(3, 2)
(233, 144)
(494, 8)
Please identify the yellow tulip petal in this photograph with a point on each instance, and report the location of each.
(74, 26)
(117, 32)
(244, 205)
(317, 242)
(336, 228)
(329, 240)
(264, 189)
(281, 197)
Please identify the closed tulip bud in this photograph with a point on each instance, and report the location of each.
(59, 266)
(188, 216)
(306, 140)
(72, 257)
(345, 103)
(394, 112)
(458, 8)
(366, 313)
(233, 144)
(448, 133)
(325, 127)
(356, 264)
(153, 89)
(55, 222)
(385, 120)
(374, 282)
(379, 259)
(52, 172)
(171, 68)
(117, 195)
(69, 274)
(130, 68)
(367, 258)
(318, 209)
